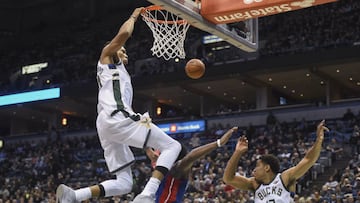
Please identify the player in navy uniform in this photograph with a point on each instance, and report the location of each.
(173, 186)
(267, 182)
(119, 127)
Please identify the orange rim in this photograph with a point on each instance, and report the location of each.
(159, 8)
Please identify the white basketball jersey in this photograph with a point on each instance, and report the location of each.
(274, 192)
(115, 88)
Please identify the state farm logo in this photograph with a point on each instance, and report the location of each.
(303, 4)
(251, 1)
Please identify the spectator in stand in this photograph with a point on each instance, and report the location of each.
(195, 140)
(348, 175)
(356, 185)
(331, 183)
(355, 141)
(335, 148)
(348, 116)
(271, 119)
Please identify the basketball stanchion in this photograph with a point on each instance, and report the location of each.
(169, 32)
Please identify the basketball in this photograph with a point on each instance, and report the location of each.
(195, 68)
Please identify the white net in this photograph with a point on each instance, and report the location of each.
(169, 32)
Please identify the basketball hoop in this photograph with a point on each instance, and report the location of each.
(169, 32)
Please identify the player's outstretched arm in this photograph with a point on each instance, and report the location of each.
(121, 37)
(294, 173)
(198, 152)
(229, 177)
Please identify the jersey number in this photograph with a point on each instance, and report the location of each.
(271, 201)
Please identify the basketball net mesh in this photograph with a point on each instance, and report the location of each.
(169, 32)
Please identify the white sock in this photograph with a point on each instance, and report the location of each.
(83, 194)
(151, 187)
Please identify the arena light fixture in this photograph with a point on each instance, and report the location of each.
(29, 96)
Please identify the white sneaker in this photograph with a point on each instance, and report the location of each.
(144, 199)
(65, 194)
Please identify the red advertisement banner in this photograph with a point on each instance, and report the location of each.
(228, 11)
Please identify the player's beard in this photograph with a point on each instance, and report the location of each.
(259, 181)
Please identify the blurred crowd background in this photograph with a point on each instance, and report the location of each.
(32, 168)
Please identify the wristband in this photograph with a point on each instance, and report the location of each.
(218, 143)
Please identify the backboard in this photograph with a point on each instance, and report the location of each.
(190, 11)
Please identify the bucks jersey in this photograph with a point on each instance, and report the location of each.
(115, 89)
(274, 192)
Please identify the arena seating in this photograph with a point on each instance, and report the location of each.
(31, 168)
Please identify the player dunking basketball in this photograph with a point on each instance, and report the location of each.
(173, 186)
(267, 182)
(119, 127)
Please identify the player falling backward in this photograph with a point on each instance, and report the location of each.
(119, 127)
(268, 184)
(173, 186)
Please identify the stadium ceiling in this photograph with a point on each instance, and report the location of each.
(302, 84)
